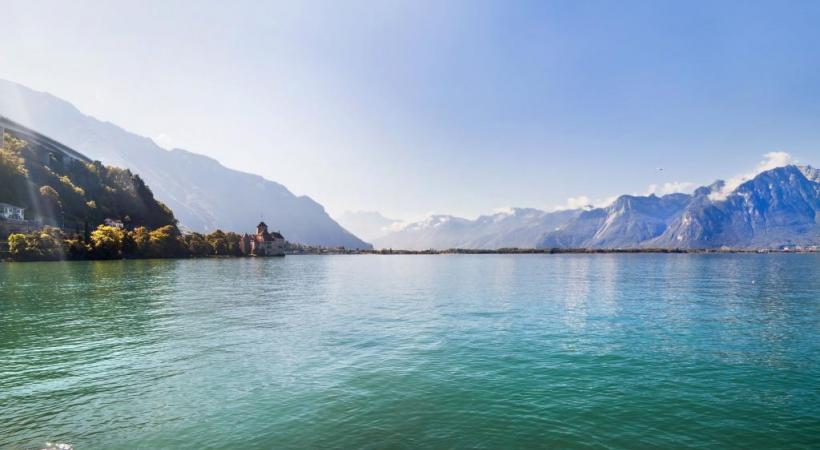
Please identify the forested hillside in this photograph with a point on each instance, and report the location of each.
(72, 194)
(204, 194)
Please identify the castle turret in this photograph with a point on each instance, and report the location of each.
(261, 228)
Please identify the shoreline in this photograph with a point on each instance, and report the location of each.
(551, 251)
(575, 251)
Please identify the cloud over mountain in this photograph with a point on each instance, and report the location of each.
(772, 160)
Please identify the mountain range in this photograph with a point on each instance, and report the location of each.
(777, 207)
(515, 227)
(203, 194)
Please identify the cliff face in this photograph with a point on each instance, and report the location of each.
(203, 194)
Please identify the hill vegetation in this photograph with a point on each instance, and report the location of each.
(68, 201)
(107, 242)
(203, 194)
(73, 194)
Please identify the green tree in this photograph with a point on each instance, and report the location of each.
(51, 209)
(232, 244)
(224, 244)
(219, 246)
(20, 247)
(197, 246)
(107, 242)
(164, 242)
(142, 242)
(70, 193)
(76, 248)
(44, 245)
(129, 245)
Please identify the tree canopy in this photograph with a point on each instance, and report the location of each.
(68, 193)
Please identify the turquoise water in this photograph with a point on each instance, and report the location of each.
(490, 351)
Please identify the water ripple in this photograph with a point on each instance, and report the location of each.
(491, 351)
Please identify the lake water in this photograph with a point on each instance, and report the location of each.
(489, 351)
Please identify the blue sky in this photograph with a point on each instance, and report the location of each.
(450, 107)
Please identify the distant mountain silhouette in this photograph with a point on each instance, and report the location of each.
(203, 194)
(516, 227)
(628, 220)
(777, 207)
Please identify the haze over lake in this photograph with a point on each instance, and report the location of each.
(492, 351)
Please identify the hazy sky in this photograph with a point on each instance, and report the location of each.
(446, 106)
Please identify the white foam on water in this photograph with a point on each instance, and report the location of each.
(57, 446)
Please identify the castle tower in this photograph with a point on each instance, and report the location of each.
(261, 228)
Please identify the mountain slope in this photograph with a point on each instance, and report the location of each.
(203, 194)
(72, 193)
(438, 231)
(629, 220)
(810, 173)
(516, 227)
(777, 207)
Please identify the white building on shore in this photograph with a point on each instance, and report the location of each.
(12, 212)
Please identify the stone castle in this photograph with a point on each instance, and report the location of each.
(263, 243)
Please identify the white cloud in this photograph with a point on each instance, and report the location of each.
(508, 210)
(164, 141)
(579, 202)
(411, 221)
(674, 187)
(584, 202)
(395, 226)
(771, 161)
